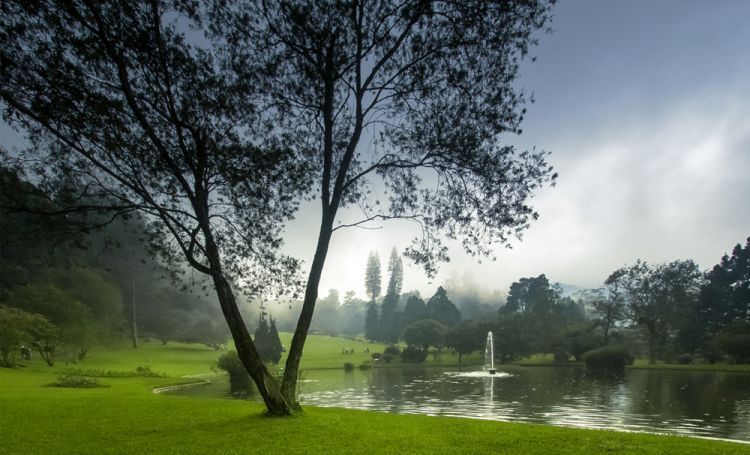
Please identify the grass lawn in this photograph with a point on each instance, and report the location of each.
(126, 417)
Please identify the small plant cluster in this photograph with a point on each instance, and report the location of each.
(141, 371)
(77, 382)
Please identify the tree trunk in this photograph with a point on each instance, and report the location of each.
(268, 386)
(291, 369)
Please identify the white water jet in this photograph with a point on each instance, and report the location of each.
(489, 354)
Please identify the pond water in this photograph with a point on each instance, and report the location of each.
(708, 404)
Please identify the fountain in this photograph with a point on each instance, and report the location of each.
(489, 355)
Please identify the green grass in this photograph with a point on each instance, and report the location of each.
(127, 417)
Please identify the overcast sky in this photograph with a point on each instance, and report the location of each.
(645, 106)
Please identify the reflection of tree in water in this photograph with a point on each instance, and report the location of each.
(718, 399)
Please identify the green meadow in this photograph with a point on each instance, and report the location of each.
(125, 416)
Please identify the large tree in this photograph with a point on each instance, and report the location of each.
(114, 95)
(401, 102)
(657, 298)
(400, 107)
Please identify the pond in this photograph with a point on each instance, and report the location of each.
(708, 404)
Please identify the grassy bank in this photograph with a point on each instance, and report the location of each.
(126, 417)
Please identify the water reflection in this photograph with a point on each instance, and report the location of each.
(691, 403)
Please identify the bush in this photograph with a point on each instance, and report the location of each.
(388, 357)
(348, 366)
(393, 350)
(376, 356)
(77, 382)
(142, 371)
(238, 376)
(413, 354)
(612, 357)
(365, 366)
(684, 359)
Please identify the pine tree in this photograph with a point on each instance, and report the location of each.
(267, 339)
(388, 328)
(275, 341)
(372, 277)
(443, 310)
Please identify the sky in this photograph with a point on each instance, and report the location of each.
(645, 108)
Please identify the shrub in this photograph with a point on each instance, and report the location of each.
(393, 350)
(231, 363)
(77, 382)
(142, 371)
(388, 357)
(348, 366)
(413, 354)
(613, 357)
(684, 359)
(376, 356)
(365, 366)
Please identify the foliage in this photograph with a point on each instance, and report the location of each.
(387, 358)
(415, 310)
(425, 333)
(413, 354)
(656, 297)
(140, 371)
(513, 337)
(348, 366)
(465, 338)
(46, 339)
(77, 382)
(734, 340)
(92, 288)
(531, 296)
(608, 357)
(74, 324)
(607, 305)
(117, 97)
(231, 363)
(372, 277)
(14, 332)
(267, 340)
(441, 309)
(392, 349)
(432, 87)
(578, 341)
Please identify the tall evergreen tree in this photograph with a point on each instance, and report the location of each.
(414, 310)
(372, 277)
(275, 342)
(441, 309)
(389, 326)
(373, 287)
